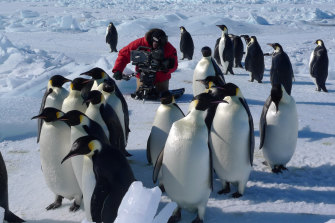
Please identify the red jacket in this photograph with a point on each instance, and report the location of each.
(124, 58)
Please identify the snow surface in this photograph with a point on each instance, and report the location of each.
(42, 38)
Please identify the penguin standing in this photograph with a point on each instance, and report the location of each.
(254, 60)
(232, 140)
(226, 51)
(106, 178)
(9, 216)
(54, 145)
(167, 113)
(185, 162)
(238, 50)
(278, 128)
(318, 66)
(53, 97)
(204, 68)
(74, 100)
(281, 68)
(111, 37)
(186, 44)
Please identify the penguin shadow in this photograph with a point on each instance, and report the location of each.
(49, 221)
(316, 103)
(302, 83)
(307, 133)
(185, 98)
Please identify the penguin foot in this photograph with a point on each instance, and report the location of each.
(75, 207)
(175, 217)
(324, 89)
(56, 204)
(282, 167)
(276, 170)
(197, 220)
(260, 82)
(225, 190)
(236, 195)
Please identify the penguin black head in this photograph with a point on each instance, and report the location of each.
(276, 46)
(205, 100)
(96, 73)
(49, 114)
(58, 80)
(95, 97)
(229, 89)
(182, 29)
(276, 94)
(206, 51)
(209, 81)
(223, 28)
(86, 145)
(78, 83)
(319, 42)
(73, 117)
(166, 98)
(108, 85)
(253, 38)
(246, 38)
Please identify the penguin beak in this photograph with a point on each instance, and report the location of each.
(88, 73)
(270, 44)
(39, 116)
(76, 150)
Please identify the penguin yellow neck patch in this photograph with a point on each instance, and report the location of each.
(91, 145)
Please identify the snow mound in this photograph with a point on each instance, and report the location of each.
(255, 19)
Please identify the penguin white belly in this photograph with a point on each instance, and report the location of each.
(281, 134)
(73, 103)
(229, 138)
(56, 98)
(185, 169)
(93, 112)
(224, 64)
(166, 115)
(54, 146)
(88, 185)
(203, 69)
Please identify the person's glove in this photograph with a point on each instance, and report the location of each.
(117, 75)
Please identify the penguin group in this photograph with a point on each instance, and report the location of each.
(82, 134)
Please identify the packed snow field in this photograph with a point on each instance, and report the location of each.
(39, 39)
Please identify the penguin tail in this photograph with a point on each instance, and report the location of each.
(10, 217)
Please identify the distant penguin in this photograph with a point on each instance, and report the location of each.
(54, 145)
(318, 66)
(278, 128)
(238, 50)
(254, 60)
(9, 216)
(186, 44)
(111, 37)
(281, 68)
(185, 162)
(167, 113)
(232, 140)
(204, 68)
(106, 178)
(53, 97)
(74, 101)
(226, 51)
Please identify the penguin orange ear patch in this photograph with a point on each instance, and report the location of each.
(71, 86)
(91, 145)
(58, 114)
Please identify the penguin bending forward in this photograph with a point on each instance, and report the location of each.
(278, 128)
(186, 44)
(111, 37)
(318, 66)
(107, 176)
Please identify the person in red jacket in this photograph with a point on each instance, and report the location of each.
(154, 39)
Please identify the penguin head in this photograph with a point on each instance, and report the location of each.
(96, 73)
(246, 38)
(49, 114)
(205, 100)
(276, 46)
(229, 89)
(58, 81)
(108, 85)
(319, 42)
(223, 28)
(86, 145)
(206, 51)
(95, 97)
(167, 98)
(253, 39)
(78, 83)
(182, 29)
(276, 94)
(73, 118)
(209, 81)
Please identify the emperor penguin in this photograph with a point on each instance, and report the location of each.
(186, 44)
(278, 128)
(226, 51)
(185, 162)
(281, 68)
(106, 117)
(81, 125)
(107, 176)
(238, 50)
(254, 60)
(111, 37)
(204, 68)
(74, 100)
(232, 140)
(166, 114)
(54, 145)
(9, 216)
(246, 39)
(318, 65)
(53, 97)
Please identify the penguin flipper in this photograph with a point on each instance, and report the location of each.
(262, 122)
(174, 104)
(40, 121)
(158, 166)
(10, 217)
(251, 130)
(211, 168)
(99, 195)
(218, 73)
(148, 150)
